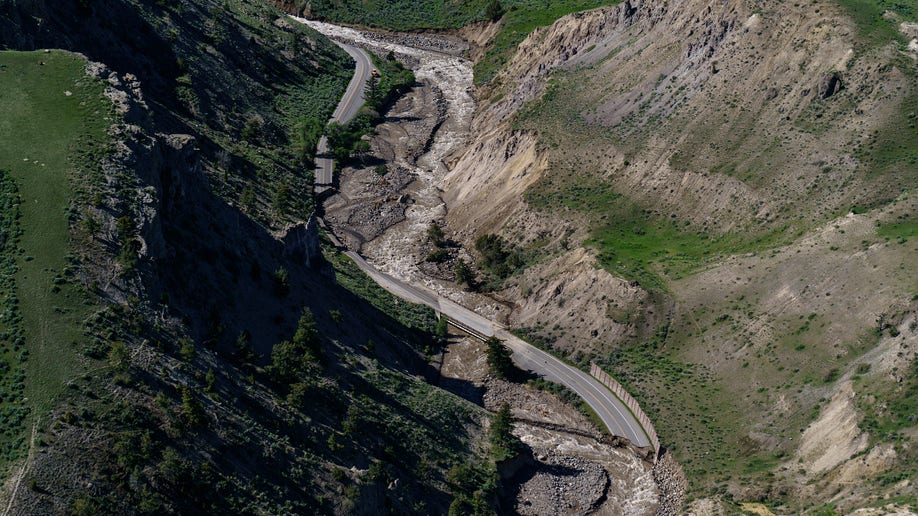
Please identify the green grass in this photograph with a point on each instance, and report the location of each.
(349, 276)
(868, 15)
(636, 244)
(13, 410)
(401, 14)
(899, 230)
(520, 19)
(38, 131)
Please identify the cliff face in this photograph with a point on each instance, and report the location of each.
(735, 138)
(195, 269)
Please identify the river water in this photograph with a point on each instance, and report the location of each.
(396, 251)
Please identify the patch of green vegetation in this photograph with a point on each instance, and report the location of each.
(899, 412)
(401, 14)
(868, 15)
(349, 276)
(640, 244)
(393, 80)
(346, 140)
(903, 230)
(891, 153)
(890, 421)
(49, 106)
(13, 353)
(499, 259)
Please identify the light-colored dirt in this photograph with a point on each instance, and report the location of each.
(835, 436)
(580, 307)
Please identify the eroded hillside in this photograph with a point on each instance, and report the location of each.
(715, 200)
(750, 169)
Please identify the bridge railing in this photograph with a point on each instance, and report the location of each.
(630, 402)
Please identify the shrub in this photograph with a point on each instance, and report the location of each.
(438, 256)
(497, 256)
(280, 280)
(494, 11)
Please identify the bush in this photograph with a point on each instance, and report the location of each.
(438, 256)
(497, 256)
(494, 11)
(281, 282)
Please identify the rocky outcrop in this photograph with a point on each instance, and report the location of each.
(829, 84)
(301, 242)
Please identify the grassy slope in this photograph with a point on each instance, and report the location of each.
(38, 130)
(401, 14)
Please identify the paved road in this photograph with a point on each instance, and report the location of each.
(614, 414)
(350, 104)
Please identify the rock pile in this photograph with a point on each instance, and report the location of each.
(563, 485)
(671, 480)
(440, 43)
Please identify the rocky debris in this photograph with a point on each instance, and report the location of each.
(441, 43)
(829, 84)
(563, 484)
(673, 484)
(124, 91)
(538, 407)
(368, 204)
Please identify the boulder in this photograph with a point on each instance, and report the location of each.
(829, 84)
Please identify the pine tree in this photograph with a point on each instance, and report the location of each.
(499, 362)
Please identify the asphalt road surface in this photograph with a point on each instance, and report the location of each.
(613, 413)
(350, 104)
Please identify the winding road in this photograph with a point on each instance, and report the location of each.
(611, 410)
(347, 109)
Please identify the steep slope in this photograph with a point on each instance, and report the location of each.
(709, 154)
(218, 363)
